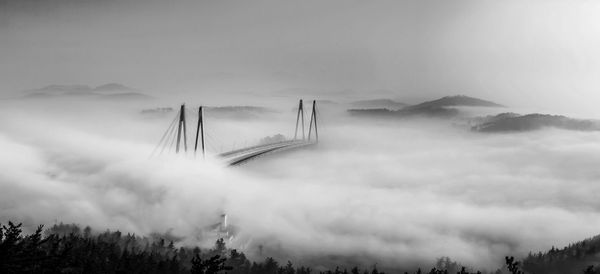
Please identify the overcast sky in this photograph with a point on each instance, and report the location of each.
(524, 53)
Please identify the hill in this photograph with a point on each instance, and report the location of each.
(65, 248)
(112, 91)
(457, 100)
(113, 87)
(444, 107)
(506, 122)
(575, 258)
(61, 90)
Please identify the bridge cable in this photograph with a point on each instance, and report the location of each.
(164, 136)
(211, 142)
(172, 145)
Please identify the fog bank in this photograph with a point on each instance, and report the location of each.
(396, 193)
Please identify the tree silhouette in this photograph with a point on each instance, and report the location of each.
(66, 248)
(513, 266)
(213, 265)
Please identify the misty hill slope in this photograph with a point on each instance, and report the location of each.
(62, 89)
(69, 248)
(571, 259)
(112, 91)
(378, 103)
(444, 107)
(506, 122)
(113, 87)
(403, 113)
(457, 100)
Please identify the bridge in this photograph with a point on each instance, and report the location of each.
(176, 136)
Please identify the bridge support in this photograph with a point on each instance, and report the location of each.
(181, 126)
(313, 119)
(300, 114)
(200, 131)
(177, 133)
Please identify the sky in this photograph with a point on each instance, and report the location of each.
(541, 54)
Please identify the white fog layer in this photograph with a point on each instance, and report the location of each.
(397, 192)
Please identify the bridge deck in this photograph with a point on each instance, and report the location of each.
(243, 155)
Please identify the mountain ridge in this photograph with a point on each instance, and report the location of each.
(455, 100)
(106, 91)
(441, 108)
(512, 122)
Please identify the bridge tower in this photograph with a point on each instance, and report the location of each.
(313, 119)
(181, 126)
(200, 132)
(300, 114)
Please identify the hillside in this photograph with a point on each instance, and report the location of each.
(507, 122)
(113, 87)
(571, 259)
(444, 107)
(457, 100)
(70, 249)
(439, 112)
(61, 89)
(112, 91)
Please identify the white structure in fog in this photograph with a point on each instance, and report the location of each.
(220, 230)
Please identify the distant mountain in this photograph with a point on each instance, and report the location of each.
(440, 108)
(377, 104)
(457, 100)
(506, 122)
(112, 91)
(429, 111)
(113, 87)
(61, 89)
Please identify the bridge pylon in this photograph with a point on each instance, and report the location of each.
(313, 119)
(181, 126)
(300, 114)
(200, 132)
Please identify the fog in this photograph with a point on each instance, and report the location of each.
(398, 193)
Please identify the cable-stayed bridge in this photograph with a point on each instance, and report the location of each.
(176, 136)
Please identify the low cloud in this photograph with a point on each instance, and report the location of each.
(396, 193)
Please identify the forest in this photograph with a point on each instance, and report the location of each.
(66, 248)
